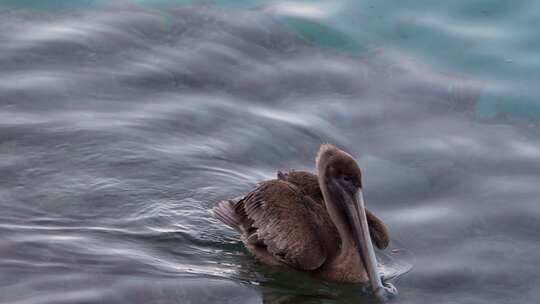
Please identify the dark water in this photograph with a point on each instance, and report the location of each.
(122, 125)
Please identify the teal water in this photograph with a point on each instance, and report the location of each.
(122, 123)
(494, 41)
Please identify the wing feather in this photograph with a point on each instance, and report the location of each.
(285, 222)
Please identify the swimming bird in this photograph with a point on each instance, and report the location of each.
(315, 223)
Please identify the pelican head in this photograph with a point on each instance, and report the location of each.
(340, 180)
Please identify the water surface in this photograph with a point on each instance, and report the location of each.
(123, 123)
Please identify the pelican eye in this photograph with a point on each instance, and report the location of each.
(346, 178)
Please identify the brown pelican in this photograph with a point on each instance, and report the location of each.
(315, 223)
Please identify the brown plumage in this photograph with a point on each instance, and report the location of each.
(311, 222)
(308, 185)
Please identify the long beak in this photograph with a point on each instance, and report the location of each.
(357, 213)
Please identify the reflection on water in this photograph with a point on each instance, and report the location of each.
(121, 126)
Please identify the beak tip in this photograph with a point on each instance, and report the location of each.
(385, 292)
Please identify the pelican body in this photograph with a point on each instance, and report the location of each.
(315, 223)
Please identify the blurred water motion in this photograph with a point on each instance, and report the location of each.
(122, 125)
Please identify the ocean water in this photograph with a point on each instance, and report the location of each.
(122, 123)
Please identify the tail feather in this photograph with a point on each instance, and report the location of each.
(225, 212)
